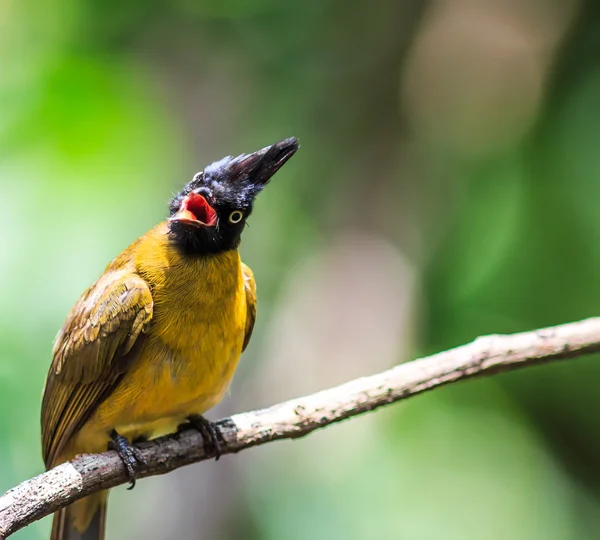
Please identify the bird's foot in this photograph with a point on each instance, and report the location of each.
(210, 434)
(130, 455)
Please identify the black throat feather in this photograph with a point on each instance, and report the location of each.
(197, 241)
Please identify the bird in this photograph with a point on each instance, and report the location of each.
(154, 342)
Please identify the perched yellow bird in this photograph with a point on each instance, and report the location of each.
(154, 342)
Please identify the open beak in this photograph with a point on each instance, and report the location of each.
(195, 210)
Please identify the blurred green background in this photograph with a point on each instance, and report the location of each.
(447, 186)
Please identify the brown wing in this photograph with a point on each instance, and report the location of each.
(250, 288)
(92, 350)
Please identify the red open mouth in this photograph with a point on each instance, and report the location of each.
(195, 209)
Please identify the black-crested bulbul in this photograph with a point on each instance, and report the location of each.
(156, 339)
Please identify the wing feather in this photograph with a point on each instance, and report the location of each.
(250, 288)
(91, 352)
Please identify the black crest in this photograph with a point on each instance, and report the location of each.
(230, 186)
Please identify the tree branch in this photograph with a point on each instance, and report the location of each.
(87, 474)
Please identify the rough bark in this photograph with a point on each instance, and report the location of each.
(47, 492)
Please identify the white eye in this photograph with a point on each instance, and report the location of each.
(236, 216)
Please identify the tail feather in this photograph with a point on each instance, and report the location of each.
(83, 520)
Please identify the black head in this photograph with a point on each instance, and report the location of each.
(210, 212)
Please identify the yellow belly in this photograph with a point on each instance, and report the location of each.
(187, 362)
(163, 389)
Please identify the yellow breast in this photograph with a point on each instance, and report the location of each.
(193, 346)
